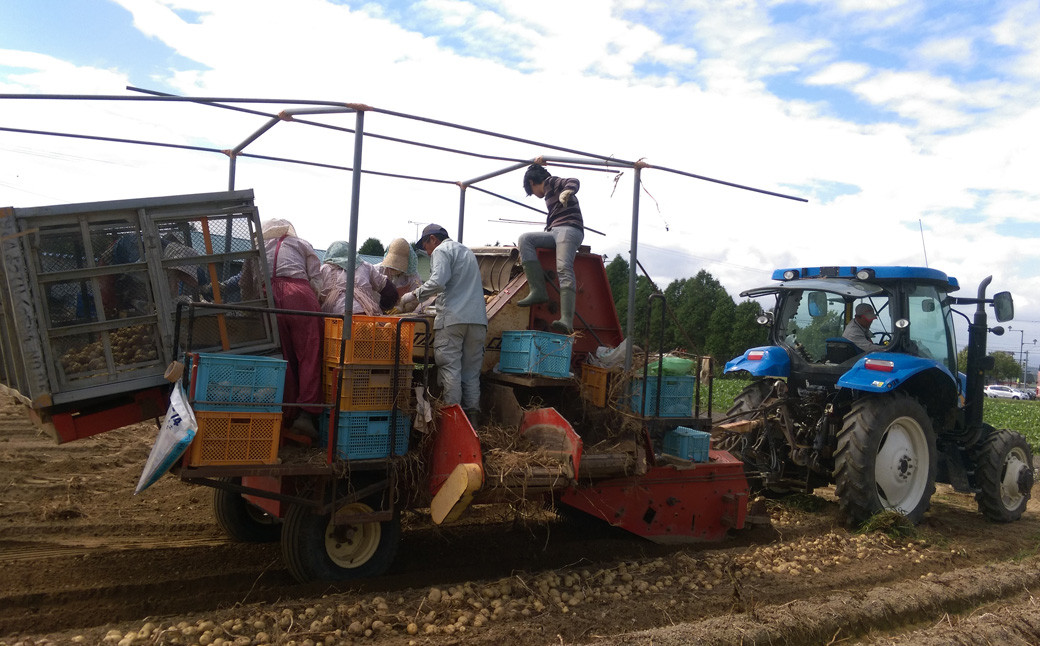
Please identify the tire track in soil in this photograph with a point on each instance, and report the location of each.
(843, 615)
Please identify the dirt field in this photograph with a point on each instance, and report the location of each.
(82, 560)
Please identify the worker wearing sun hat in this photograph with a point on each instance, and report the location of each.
(461, 319)
(401, 266)
(858, 329)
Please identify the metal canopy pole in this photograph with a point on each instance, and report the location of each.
(462, 209)
(632, 259)
(355, 197)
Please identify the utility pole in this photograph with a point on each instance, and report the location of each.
(420, 224)
(1021, 350)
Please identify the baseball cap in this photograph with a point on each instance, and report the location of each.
(864, 309)
(429, 231)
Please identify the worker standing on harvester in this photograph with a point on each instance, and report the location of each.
(564, 231)
(296, 282)
(461, 320)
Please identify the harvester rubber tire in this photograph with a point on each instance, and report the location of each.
(886, 459)
(241, 520)
(314, 550)
(1003, 467)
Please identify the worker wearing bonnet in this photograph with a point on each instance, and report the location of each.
(373, 292)
(296, 283)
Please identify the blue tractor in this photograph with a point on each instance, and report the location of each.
(859, 387)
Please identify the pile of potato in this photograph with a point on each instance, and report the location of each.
(130, 345)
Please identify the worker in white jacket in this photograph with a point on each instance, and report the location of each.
(461, 320)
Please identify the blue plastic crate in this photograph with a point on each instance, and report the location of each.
(365, 435)
(676, 396)
(687, 444)
(536, 353)
(239, 382)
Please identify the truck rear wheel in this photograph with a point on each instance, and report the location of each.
(886, 459)
(1004, 475)
(315, 549)
(241, 520)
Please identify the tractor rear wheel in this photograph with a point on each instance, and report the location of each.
(763, 462)
(750, 398)
(314, 549)
(886, 459)
(241, 520)
(1004, 475)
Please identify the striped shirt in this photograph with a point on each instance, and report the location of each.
(560, 215)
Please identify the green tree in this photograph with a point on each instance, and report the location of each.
(746, 331)
(372, 247)
(1005, 368)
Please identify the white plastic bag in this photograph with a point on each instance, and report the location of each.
(177, 432)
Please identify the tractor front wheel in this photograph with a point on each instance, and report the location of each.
(886, 459)
(316, 549)
(1004, 475)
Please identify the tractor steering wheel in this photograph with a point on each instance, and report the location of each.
(883, 338)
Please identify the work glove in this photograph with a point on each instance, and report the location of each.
(565, 196)
(408, 302)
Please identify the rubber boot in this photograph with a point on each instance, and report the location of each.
(535, 283)
(306, 424)
(473, 415)
(566, 323)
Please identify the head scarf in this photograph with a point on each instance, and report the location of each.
(338, 254)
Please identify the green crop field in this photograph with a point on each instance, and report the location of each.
(1021, 416)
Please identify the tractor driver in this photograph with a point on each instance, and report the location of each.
(858, 329)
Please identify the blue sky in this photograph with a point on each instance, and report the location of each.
(892, 117)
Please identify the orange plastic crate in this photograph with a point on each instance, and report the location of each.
(235, 437)
(594, 380)
(372, 340)
(368, 387)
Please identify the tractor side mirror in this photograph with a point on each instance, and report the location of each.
(817, 304)
(1003, 306)
(988, 362)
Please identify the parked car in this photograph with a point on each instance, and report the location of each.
(1003, 392)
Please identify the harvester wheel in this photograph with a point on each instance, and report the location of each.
(1004, 475)
(886, 459)
(241, 520)
(316, 550)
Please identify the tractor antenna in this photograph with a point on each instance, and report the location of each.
(923, 248)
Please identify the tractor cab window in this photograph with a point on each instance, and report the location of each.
(808, 319)
(814, 324)
(931, 326)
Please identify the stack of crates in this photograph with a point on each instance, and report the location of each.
(375, 386)
(238, 405)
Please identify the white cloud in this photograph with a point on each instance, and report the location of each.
(841, 74)
(947, 50)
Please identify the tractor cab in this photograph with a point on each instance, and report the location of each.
(816, 324)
